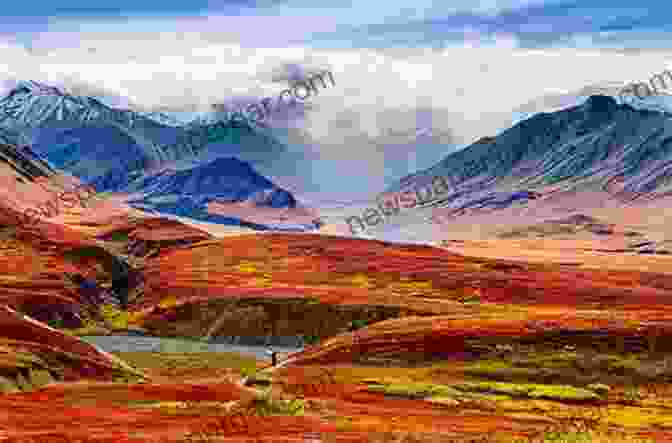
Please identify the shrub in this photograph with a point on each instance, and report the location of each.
(567, 437)
(265, 404)
(599, 388)
(358, 324)
(56, 323)
(311, 339)
(119, 236)
(631, 394)
(248, 371)
(117, 318)
(530, 390)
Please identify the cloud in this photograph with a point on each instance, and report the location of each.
(368, 125)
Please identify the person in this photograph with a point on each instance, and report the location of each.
(273, 354)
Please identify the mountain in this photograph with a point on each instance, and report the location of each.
(598, 145)
(163, 119)
(96, 142)
(171, 168)
(26, 163)
(224, 179)
(188, 192)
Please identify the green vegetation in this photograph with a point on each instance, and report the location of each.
(311, 339)
(487, 368)
(613, 368)
(87, 329)
(56, 323)
(357, 324)
(577, 437)
(564, 437)
(259, 378)
(176, 365)
(265, 404)
(631, 394)
(248, 370)
(119, 236)
(472, 298)
(312, 301)
(141, 403)
(116, 318)
(85, 252)
(469, 390)
(415, 390)
(102, 195)
(531, 390)
(599, 388)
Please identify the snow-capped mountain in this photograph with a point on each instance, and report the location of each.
(94, 141)
(32, 105)
(45, 115)
(122, 150)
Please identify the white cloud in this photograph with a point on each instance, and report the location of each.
(462, 92)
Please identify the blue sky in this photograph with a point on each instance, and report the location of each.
(394, 22)
(414, 80)
(105, 8)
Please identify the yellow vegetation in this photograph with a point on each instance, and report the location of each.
(411, 286)
(362, 281)
(246, 267)
(117, 318)
(168, 302)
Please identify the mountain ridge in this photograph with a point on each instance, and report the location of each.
(41, 114)
(599, 141)
(121, 150)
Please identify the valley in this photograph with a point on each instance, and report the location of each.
(534, 305)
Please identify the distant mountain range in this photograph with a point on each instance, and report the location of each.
(599, 145)
(127, 151)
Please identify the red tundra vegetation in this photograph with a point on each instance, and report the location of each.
(454, 348)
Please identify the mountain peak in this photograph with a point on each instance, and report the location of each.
(578, 147)
(37, 88)
(600, 103)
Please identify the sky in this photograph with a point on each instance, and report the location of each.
(414, 80)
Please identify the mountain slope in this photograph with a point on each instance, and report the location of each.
(62, 127)
(188, 192)
(126, 151)
(597, 145)
(100, 155)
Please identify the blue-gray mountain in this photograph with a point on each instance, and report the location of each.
(116, 150)
(595, 145)
(187, 192)
(85, 137)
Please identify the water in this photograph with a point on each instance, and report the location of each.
(132, 343)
